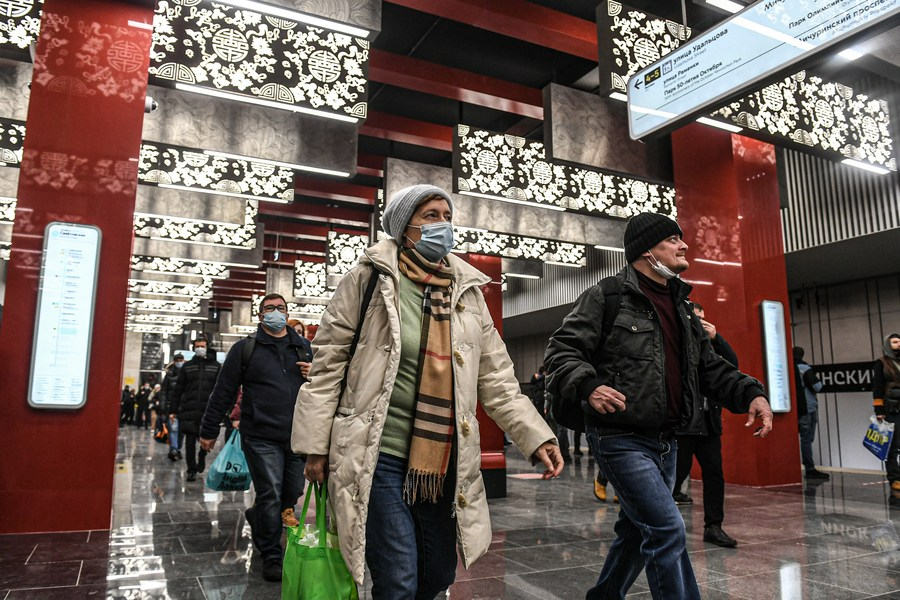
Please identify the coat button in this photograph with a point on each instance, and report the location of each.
(461, 501)
(465, 427)
(459, 357)
(634, 327)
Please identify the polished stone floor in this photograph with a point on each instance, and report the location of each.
(173, 539)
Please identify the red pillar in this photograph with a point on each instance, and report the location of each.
(493, 459)
(80, 166)
(728, 207)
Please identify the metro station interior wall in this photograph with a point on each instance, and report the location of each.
(840, 324)
(527, 354)
(131, 362)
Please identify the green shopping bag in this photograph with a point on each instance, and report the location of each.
(313, 566)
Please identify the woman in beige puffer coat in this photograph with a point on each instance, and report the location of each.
(401, 522)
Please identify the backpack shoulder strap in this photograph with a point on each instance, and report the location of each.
(363, 307)
(612, 297)
(247, 352)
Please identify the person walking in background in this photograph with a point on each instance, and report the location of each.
(640, 384)
(298, 326)
(886, 400)
(392, 427)
(142, 401)
(168, 392)
(807, 385)
(707, 447)
(153, 406)
(124, 404)
(537, 389)
(267, 369)
(195, 383)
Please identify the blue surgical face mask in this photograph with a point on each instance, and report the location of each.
(436, 241)
(274, 321)
(179, 364)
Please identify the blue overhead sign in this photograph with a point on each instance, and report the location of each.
(750, 47)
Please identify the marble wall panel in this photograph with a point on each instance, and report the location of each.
(231, 127)
(241, 313)
(9, 182)
(172, 249)
(588, 129)
(192, 205)
(504, 217)
(362, 13)
(280, 281)
(15, 78)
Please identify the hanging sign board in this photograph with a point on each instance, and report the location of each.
(737, 55)
(778, 383)
(67, 289)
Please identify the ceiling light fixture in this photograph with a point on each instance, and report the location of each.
(850, 54)
(865, 166)
(610, 248)
(720, 124)
(221, 193)
(278, 163)
(727, 5)
(619, 96)
(523, 275)
(215, 244)
(561, 264)
(724, 263)
(186, 87)
(276, 11)
(512, 201)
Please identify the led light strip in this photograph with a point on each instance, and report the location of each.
(277, 163)
(275, 11)
(196, 89)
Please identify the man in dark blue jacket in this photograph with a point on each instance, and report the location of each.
(271, 372)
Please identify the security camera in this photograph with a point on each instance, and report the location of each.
(150, 105)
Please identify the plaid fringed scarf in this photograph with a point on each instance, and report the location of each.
(433, 421)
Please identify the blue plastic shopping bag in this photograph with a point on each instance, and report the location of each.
(878, 438)
(229, 472)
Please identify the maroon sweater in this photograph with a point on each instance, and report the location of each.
(661, 298)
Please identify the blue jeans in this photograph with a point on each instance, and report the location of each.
(650, 529)
(410, 550)
(807, 425)
(277, 475)
(173, 434)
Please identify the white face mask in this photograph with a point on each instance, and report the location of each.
(661, 269)
(201, 352)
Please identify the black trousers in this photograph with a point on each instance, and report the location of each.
(190, 452)
(708, 450)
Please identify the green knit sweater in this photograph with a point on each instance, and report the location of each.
(399, 422)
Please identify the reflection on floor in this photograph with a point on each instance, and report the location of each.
(172, 539)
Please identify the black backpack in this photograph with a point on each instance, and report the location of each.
(568, 411)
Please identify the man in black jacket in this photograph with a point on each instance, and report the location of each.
(707, 447)
(638, 387)
(195, 383)
(271, 372)
(168, 393)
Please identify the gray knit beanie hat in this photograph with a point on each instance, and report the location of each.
(403, 204)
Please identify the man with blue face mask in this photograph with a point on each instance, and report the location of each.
(270, 366)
